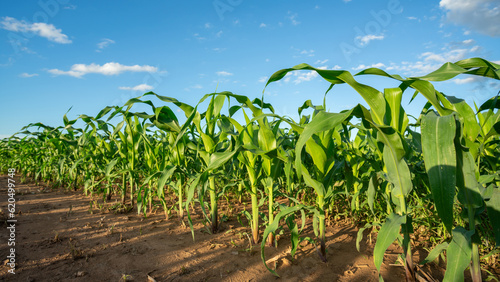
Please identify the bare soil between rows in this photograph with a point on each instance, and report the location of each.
(58, 238)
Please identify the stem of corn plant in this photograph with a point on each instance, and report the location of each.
(124, 188)
(180, 188)
(270, 239)
(475, 269)
(321, 219)
(255, 207)
(213, 204)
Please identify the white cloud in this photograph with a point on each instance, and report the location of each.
(309, 53)
(304, 52)
(412, 18)
(223, 73)
(474, 49)
(196, 86)
(263, 79)
(48, 31)
(362, 66)
(431, 61)
(336, 67)
(105, 42)
(25, 74)
(293, 18)
(320, 62)
(9, 62)
(219, 34)
(305, 76)
(451, 56)
(198, 36)
(112, 68)
(464, 80)
(208, 25)
(140, 87)
(482, 16)
(262, 25)
(70, 7)
(369, 37)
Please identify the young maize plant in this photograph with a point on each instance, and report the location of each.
(387, 117)
(440, 173)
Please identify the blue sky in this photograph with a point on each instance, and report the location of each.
(57, 54)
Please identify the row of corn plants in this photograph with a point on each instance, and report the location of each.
(440, 172)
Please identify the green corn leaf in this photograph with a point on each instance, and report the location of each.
(372, 96)
(435, 253)
(386, 236)
(468, 186)
(318, 187)
(371, 192)
(493, 207)
(492, 103)
(219, 158)
(318, 154)
(322, 122)
(273, 227)
(110, 166)
(359, 236)
(398, 118)
(458, 255)
(438, 134)
(445, 72)
(166, 174)
(398, 172)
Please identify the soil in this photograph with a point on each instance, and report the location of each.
(59, 236)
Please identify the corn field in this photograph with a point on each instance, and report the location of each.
(438, 172)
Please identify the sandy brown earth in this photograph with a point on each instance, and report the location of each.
(60, 237)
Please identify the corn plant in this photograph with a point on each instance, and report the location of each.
(369, 158)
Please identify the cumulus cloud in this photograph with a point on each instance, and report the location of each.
(25, 74)
(482, 16)
(44, 30)
(305, 76)
(198, 36)
(224, 73)
(105, 42)
(302, 52)
(112, 68)
(377, 65)
(465, 80)
(262, 25)
(196, 86)
(451, 56)
(293, 18)
(140, 87)
(263, 79)
(309, 53)
(369, 37)
(320, 62)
